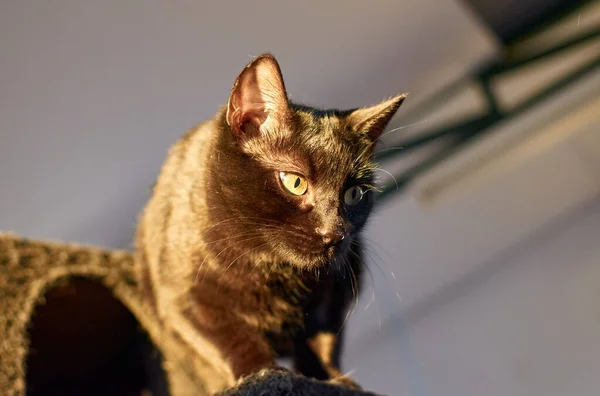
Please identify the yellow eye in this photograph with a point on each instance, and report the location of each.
(293, 183)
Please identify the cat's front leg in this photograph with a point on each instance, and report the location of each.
(318, 348)
(234, 347)
(318, 356)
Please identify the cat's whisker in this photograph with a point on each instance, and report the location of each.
(354, 286)
(219, 223)
(280, 227)
(270, 270)
(262, 219)
(236, 259)
(370, 272)
(404, 127)
(222, 240)
(376, 252)
(373, 286)
(348, 374)
(377, 261)
(260, 228)
(344, 322)
(239, 218)
(389, 283)
(295, 233)
(392, 176)
(256, 265)
(217, 256)
(372, 300)
(396, 148)
(228, 238)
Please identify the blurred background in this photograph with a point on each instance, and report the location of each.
(484, 253)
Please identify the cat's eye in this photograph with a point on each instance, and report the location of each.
(353, 195)
(293, 183)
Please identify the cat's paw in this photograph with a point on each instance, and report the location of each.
(346, 381)
(277, 369)
(266, 371)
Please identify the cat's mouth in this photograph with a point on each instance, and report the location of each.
(312, 254)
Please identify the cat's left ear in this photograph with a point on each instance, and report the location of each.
(371, 121)
(258, 102)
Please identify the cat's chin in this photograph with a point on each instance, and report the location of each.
(315, 259)
(318, 260)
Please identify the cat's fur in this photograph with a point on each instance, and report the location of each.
(237, 267)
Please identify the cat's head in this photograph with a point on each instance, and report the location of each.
(298, 180)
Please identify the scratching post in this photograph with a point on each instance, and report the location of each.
(33, 272)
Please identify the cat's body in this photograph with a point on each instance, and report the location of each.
(249, 247)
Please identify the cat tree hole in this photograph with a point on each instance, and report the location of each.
(86, 342)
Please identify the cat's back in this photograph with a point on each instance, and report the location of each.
(186, 158)
(175, 195)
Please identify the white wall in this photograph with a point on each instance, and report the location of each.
(468, 261)
(526, 324)
(501, 190)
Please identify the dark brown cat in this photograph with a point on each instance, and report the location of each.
(250, 244)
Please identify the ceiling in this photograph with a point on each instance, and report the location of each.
(510, 19)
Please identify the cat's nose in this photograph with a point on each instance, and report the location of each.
(329, 237)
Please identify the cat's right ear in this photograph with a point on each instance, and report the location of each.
(258, 102)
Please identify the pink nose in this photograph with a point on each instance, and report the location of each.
(330, 237)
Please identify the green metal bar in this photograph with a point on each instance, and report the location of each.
(467, 130)
(556, 87)
(536, 28)
(483, 121)
(506, 65)
(411, 144)
(473, 130)
(492, 103)
(484, 77)
(465, 136)
(429, 103)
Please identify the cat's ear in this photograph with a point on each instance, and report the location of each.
(371, 121)
(258, 101)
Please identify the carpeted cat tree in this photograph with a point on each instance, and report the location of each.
(72, 323)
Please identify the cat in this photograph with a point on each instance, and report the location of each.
(249, 247)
